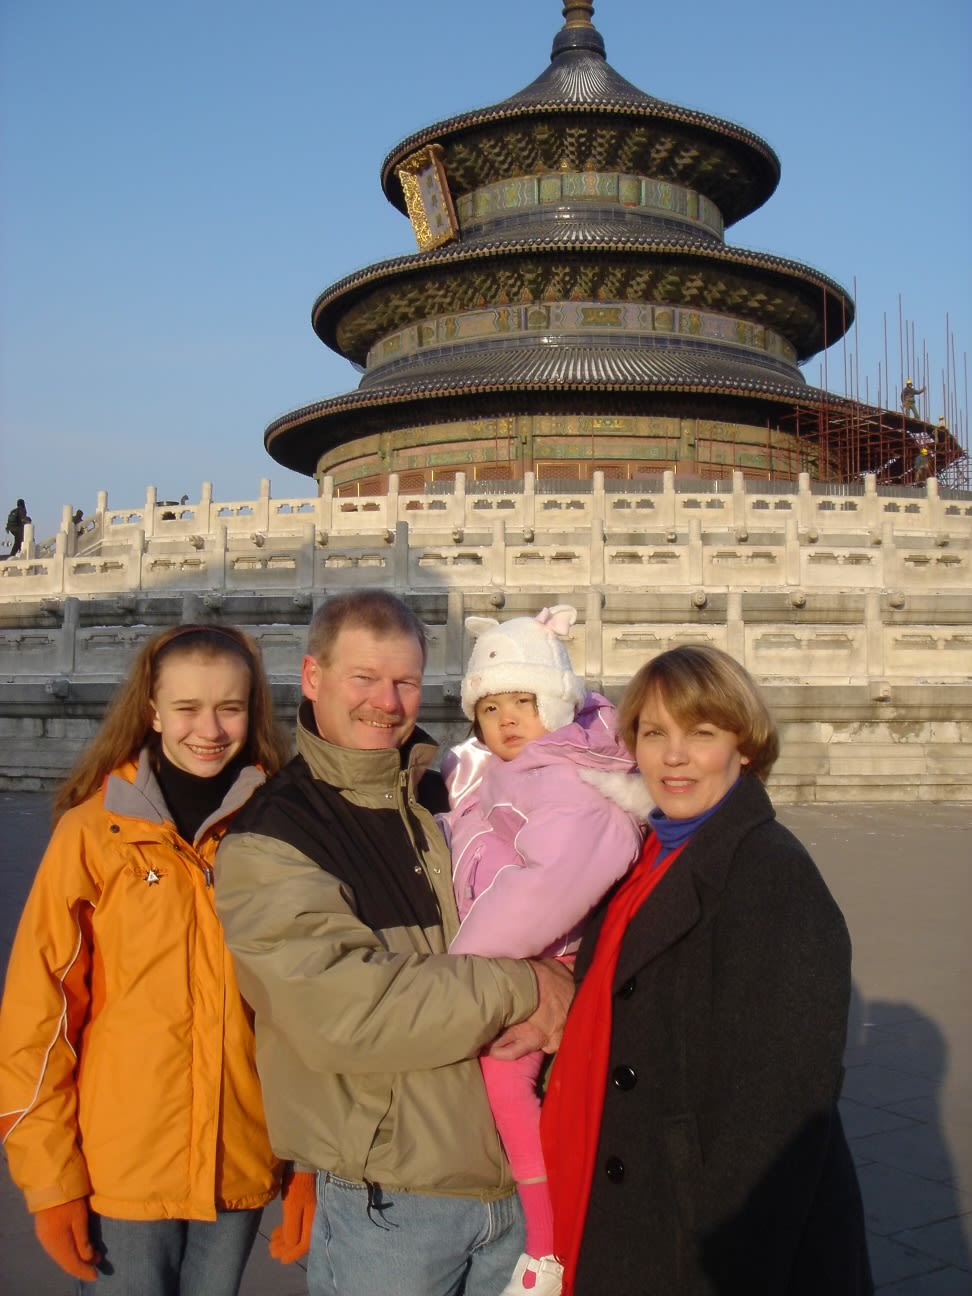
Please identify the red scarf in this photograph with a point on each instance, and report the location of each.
(570, 1120)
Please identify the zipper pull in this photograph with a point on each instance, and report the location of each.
(208, 874)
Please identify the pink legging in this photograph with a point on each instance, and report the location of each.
(512, 1091)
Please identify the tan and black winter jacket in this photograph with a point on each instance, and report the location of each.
(334, 888)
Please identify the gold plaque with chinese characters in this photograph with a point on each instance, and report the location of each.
(426, 189)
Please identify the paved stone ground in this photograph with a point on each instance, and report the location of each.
(903, 876)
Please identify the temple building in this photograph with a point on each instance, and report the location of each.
(574, 307)
(575, 391)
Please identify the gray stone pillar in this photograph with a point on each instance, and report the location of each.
(459, 502)
(594, 637)
(529, 501)
(204, 520)
(735, 627)
(393, 501)
(261, 520)
(497, 555)
(148, 521)
(67, 644)
(696, 567)
(325, 505)
(455, 630)
(400, 558)
(306, 556)
(791, 550)
(668, 501)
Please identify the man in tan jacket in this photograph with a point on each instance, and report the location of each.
(336, 898)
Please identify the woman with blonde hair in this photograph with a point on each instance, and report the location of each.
(691, 1129)
(129, 1101)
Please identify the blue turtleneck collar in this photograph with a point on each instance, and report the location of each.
(673, 833)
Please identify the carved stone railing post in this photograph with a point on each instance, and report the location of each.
(67, 643)
(529, 501)
(871, 511)
(594, 635)
(204, 519)
(739, 518)
(696, 566)
(400, 558)
(804, 502)
(497, 555)
(455, 631)
(135, 555)
(873, 635)
(217, 557)
(68, 530)
(325, 505)
(58, 563)
(148, 521)
(791, 550)
(306, 556)
(261, 517)
(735, 627)
(669, 502)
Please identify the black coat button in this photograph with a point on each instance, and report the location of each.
(614, 1169)
(114, 828)
(628, 989)
(624, 1077)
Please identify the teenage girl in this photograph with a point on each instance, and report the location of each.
(129, 1101)
(547, 813)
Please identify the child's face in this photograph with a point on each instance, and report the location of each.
(507, 722)
(201, 711)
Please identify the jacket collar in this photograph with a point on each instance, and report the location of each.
(699, 874)
(365, 773)
(132, 792)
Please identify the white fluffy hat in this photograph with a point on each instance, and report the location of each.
(525, 655)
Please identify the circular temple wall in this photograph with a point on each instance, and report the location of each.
(570, 447)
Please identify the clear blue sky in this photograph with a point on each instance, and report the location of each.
(179, 182)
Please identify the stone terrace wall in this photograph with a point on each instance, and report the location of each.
(852, 606)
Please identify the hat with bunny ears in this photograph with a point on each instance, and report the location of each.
(525, 655)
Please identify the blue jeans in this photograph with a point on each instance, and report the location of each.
(366, 1241)
(172, 1257)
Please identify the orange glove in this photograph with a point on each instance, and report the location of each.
(63, 1233)
(291, 1239)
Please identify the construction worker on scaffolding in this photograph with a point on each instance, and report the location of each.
(922, 467)
(909, 403)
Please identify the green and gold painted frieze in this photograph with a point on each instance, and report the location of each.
(633, 323)
(568, 188)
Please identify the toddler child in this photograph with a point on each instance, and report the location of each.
(547, 813)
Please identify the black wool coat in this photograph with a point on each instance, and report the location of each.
(722, 1167)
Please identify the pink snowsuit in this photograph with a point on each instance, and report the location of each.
(536, 842)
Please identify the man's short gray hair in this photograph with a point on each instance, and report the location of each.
(375, 610)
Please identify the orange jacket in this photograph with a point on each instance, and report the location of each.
(127, 1067)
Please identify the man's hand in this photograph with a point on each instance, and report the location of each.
(542, 1031)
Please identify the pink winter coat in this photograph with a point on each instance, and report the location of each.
(536, 841)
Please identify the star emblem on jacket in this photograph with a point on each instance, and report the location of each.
(151, 877)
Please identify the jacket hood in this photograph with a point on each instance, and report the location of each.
(590, 741)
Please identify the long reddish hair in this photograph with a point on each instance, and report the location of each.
(127, 725)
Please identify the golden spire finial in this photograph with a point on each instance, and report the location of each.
(578, 13)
